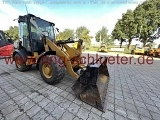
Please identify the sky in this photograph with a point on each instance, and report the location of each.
(68, 13)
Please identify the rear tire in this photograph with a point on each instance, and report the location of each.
(132, 52)
(20, 63)
(145, 53)
(52, 69)
(156, 54)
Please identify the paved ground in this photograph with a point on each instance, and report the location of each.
(133, 93)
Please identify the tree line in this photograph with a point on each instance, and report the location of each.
(81, 32)
(139, 23)
(13, 32)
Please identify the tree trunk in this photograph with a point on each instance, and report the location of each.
(129, 43)
(120, 44)
(144, 42)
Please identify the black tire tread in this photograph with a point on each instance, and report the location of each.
(156, 54)
(24, 67)
(59, 72)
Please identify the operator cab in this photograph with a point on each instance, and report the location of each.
(102, 46)
(138, 46)
(31, 29)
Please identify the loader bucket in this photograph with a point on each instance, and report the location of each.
(91, 86)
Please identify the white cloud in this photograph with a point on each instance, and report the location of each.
(7, 15)
(109, 19)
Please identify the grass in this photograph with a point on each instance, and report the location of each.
(127, 51)
(92, 48)
(95, 48)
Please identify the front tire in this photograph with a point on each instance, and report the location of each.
(52, 69)
(145, 53)
(132, 52)
(20, 63)
(156, 54)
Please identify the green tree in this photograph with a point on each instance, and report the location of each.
(103, 37)
(147, 16)
(83, 33)
(125, 28)
(129, 26)
(118, 32)
(110, 40)
(65, 35)
(13, 32)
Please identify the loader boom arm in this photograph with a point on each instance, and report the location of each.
(65, 56)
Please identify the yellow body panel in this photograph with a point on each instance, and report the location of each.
(65, 55)
(151, 52)
(157, 51)
(103, 48)
(139, 51)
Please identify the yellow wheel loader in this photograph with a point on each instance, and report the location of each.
(139, 50)
(151, 50)
(156, 52)
(52, 58)
(102, 48)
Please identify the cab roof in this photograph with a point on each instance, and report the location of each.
(31, 15)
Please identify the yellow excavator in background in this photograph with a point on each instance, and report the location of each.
(139, 49)
(156, 52)
(155, 46)
(151, 50)
(52, 58)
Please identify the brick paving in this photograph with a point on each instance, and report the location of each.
(133, 94)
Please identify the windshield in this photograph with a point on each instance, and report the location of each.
(38, 26)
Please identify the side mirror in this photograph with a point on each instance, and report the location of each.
(15, 19)
(57, 30)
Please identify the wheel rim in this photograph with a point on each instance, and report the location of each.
(47, 70)
(18, 62)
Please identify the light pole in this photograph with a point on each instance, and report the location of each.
(100, 38)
